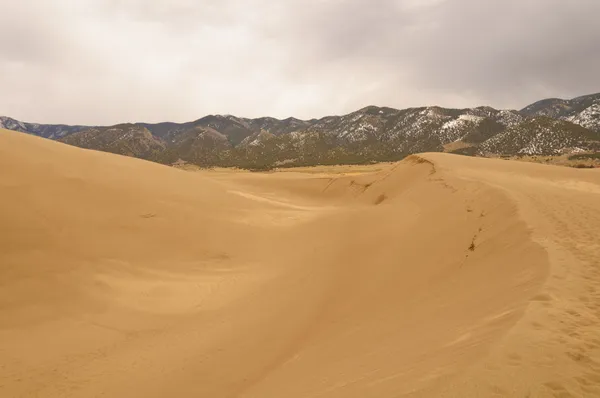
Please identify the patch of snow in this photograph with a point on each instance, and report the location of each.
(588, 118)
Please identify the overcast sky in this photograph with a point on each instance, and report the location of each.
(110, 61)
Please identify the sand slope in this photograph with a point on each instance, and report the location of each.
(437, 276)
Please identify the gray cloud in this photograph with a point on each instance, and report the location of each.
(511, 52)
(109, 61)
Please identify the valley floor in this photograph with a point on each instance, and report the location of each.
(438, 276)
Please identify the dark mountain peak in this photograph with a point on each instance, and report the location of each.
(368, 109)
(266, 119)
(583, 110)
(210, 119)
(292, 120)
(588, 97)
(545, 106)
(484, 110)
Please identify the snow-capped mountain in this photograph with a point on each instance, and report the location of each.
(373, 133)
(584, 110)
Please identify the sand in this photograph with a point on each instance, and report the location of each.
(439, 276)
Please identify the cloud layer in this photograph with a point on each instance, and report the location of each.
(110, 61)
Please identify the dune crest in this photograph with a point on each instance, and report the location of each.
(436, 276)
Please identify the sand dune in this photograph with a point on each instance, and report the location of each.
(439, 276)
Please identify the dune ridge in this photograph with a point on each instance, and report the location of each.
(436, 276)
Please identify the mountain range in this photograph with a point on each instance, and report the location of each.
(548, 127)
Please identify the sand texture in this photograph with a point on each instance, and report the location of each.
(438, 276)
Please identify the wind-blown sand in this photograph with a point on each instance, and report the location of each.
(439, 276)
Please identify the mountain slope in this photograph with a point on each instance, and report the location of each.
(584, 110)
(542, 136)
(127, 139)
(52, 131)
(371, 134)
